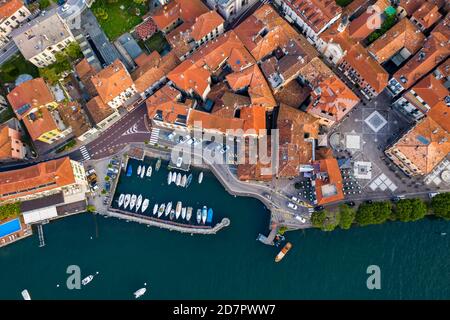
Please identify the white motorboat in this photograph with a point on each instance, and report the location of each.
(155, 208)
(199, 216)
(139, 170)
(204, 214)
(178, 209)
(174, 176)
(158, 165)
(133, 201)
(127, 201)
(149, 171)
(183, 213)
(143, 172)
(168, 208)
(189, 213)
(183, 181)
(86, 280)
(189, 180)
(200, 177)
(139, 202)
(169, 178)
(145, 205)
(139, 293)
(178, 181)
(26, 295)
(121, 198)
(161, 210)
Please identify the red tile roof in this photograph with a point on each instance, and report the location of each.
(39, 123)
(427, 15)
(9, 7)
(146, 29)
(330, 188)
(205, 24)
(8, 137)
(98, 110)
(163, 105)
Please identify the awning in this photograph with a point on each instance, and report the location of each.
(39, 215)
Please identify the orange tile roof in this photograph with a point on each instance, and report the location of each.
(9, 7)
(410, 6)
(85, 69)
(254, 118)
(361, 27)
(333, 101)
(112, 81)
(403, 35)
(163, 105)
(329, 189)
(145, 59)
(190, 77)
(431, 90)
(38, 178)
(39, 123)
(32, 92)
(184, 10)
(180, 39)
(426, 145)
(6, 141)
(205, 24)
(316, 71)
(98, 110)
(444, 68)
(213, 122)
(440, 114)
(427, 14)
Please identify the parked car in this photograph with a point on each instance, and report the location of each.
(395, 199)
(179, 162)
(115, 162)
(292, 206)
(197, 141)
(89, 172)
(113, 170)
(433, 194)
(295, 199)
(350, 203)
(94, 187)
(318, 208)
(300, 218)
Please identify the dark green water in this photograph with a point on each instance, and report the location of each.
(413, 257)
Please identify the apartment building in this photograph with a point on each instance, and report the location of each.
(12, 14)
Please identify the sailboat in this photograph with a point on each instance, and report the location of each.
(199, 216)
(161, 210)
(168, 208)
(189, 180)
(143, 172)
(178, 181)
(178, 209)
(189, 213)
(145, 205)
(127, 201)
(204, 214)
(139, 293)
(133, 201)
(149, 172)
(139, 170)
(200, 177)
(174, 176)
(139, 202)
(169, 178)
(155, 208)
(158, 165)
(183, 213)
(183, 181)
(121, 198)
(210, 215)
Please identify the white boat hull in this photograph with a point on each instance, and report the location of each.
(145, 205)
(155, 209)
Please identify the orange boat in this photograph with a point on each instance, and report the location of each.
(283, 252)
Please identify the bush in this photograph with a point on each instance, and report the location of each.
(91, 209)
(440, 204)
(343, 3)
(9, 210)
(388, 23)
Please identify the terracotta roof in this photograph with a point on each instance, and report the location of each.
(148, 59)
(329, 189)
(361, 27)
(163, 105)
(9, 7)
(39, 123)
(254, 118)
(38, 178)
(431, 90)
(293, 94)
(180, 39)
(189, 76)
(315, 13)
(425, 145)
(184, 10)
(315, 72)
(410, 6)
(6, 141)
(444, 68)
(226, 103)
(332, 100)
(112, 81)
(427, 15)
(403, 35)
(214, 122)
(98, 110)
(73, 115)
(146, 29)
(84, 69)
(205, 24)
(34, 93)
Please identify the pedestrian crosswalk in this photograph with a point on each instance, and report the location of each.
(85, 153)
(154, 136)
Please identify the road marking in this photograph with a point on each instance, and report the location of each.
(85, 153)
(154, 136)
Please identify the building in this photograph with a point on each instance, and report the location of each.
(426, 16)
(102, 115)
(114, 85)
(12, 147)
(328, 181)
(12, 14)
(370, 20)
(231, 9)
(40, 39)
(128, 48)
(312, 16)
(85, 71)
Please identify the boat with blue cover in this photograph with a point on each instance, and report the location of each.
(129, 170)
(210, 216)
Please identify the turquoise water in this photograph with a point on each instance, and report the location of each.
(413, 257)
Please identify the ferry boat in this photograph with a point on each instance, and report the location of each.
(133, 201)
(86, 280)
(143, 172)
(149, 172)
(139, 170)
(200, 177)
(158, 165)
(155, 208)
(183, 181)
(139, 202)
(210, 215)
(189, 180)
(283, 252)
(129, 170)
(26, 295)
(168, 208)
(127, 201)
(174, 177)
(121, 198)
(169, 178)
(189, 213)
(161, 210)
(183, 213)
(178, 209)
(145, 205)
(199, 216)
(204, 214)
(178, 181)
(139, 293)
(172, 214)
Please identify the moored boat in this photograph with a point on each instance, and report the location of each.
(145, 205)
(178, 181)
(183, 181)
(149, 171)
(169, 178)
(199, 216)
(121, 199)
(210, 215)
(158, 165)
(139, 202)
(155, 208)
(183, 213)
(178, 209)
(129, 170)
(168, 208)
(189, 213)
(127, 201)
(161, 210)
(204, 214)
(139, 170)
(143, 172)
(139, 293)
(26, 295)
(200, 177)
(172, 214)
(86, 280)
(174, 177)
(283, 252)
(189, 180)
(133, 201)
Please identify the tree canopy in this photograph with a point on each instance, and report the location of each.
(440, 204)
(409, 210)
(373, 213)
(9, 210)
(347, 216)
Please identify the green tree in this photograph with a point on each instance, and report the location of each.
(140, 2)
(73, 51)
(91, 209)
(318, 218)
(409, 210)
(440, 204)
(374, 213)
(10, 210)
(44, 4)
(49, 74)
(107, 178)
(347, 216)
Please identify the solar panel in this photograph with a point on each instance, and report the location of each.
(23, 109)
